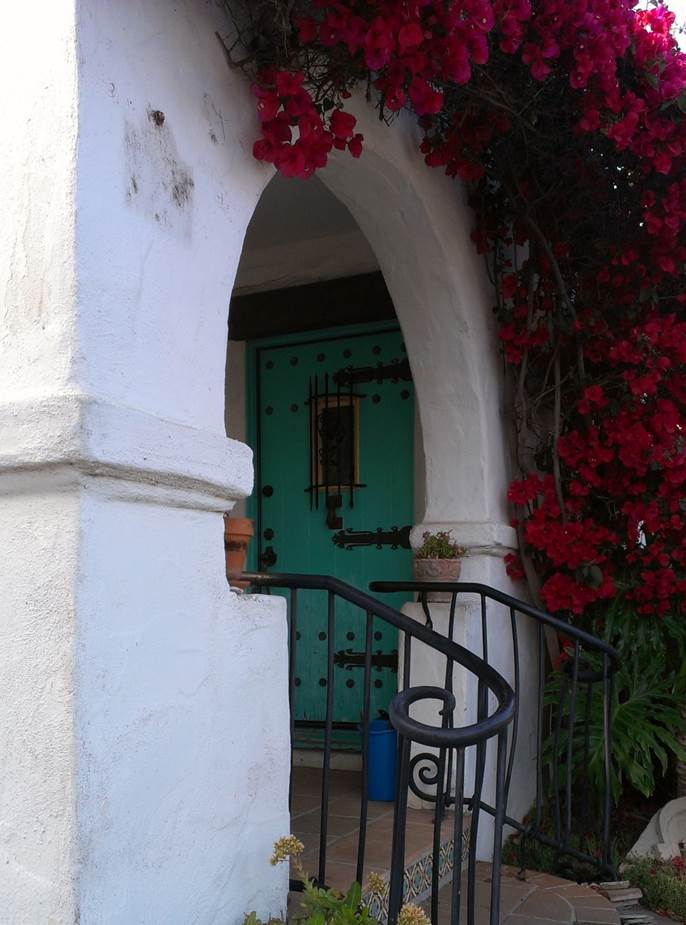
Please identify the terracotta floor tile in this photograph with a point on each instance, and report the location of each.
(546, 881)
(340, 876)
(344, 782)
(311, 841)
(588, 900)
(377, 851)
(304, 803)
(549, 906)
(336, 825)
(546, 905)
(350, 806)
(574, 891)
(515, 919)
(597, 917)
(418, 841)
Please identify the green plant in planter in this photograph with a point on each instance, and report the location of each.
(440, 545)
(330, 907)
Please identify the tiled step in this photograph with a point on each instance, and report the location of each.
(343, 837)
(419, 866)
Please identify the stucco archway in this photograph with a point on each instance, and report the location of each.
(418, 225)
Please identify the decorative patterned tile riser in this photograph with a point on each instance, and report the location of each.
(417, 879)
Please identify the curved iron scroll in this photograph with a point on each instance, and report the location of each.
(425, 768)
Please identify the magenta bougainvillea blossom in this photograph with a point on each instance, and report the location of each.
(565, 118)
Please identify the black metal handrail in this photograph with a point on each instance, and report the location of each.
(450, 742)
(591, 664)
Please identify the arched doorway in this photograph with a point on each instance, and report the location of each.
(323, 394)
(416, 225)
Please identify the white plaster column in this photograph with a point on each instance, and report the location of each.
(418, 223)
(144, 748)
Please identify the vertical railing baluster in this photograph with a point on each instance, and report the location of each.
(458, 836)
(328, 730)
(607, 756)
(484, 628)
(438, 821)
(449, 682)
(480, 764)
(292, 638)
(515, 722)
(570, 746)
(500, 800)
(450, 664)
(365, 745)
(424, 601)
(585, 795)
(395, 890)
(539, 726)
(556, 755)
(407, 660)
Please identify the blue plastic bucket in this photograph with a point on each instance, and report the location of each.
(381, 761)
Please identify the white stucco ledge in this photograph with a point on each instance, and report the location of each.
(480, 539)
(97, 438)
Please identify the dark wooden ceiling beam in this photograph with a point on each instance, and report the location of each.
(348, 300)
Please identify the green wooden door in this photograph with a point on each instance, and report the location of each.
(332, 425)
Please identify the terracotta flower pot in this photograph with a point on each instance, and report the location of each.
(437, 570)
(238, 532)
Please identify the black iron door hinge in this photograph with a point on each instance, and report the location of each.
(396, 538)
(346, 658)
(396, 371)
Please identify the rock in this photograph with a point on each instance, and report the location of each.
(664, 834)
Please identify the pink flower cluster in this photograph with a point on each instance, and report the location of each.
(614, 518)
(296, 137)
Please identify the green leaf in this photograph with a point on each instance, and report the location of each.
(354, 896)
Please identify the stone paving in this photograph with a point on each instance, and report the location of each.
(541, 899)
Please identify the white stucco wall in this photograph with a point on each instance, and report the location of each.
(301, 262)
(39, 526)
(144, 751)
(38, 515)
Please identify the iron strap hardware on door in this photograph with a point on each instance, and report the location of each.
(346, 658)
(396, 371)
(396, 538)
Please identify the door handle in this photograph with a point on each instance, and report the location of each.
(333, 521)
